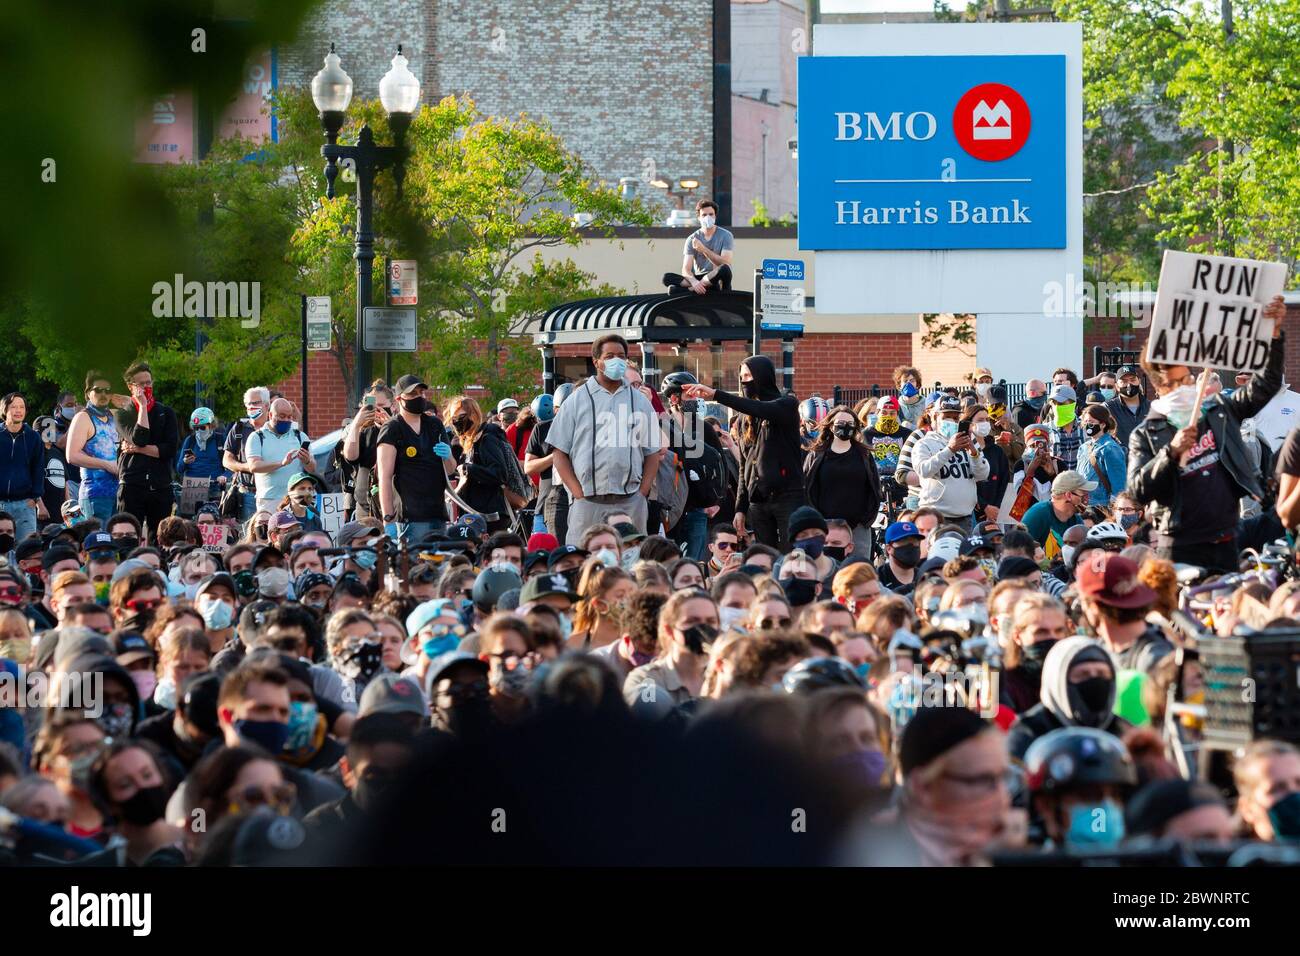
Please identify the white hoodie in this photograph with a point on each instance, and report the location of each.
(947, 478)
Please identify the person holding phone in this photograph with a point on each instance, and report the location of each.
(950, 465)
(150, 437)
(357, 449)
(277, 452)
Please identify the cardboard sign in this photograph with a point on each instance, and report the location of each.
(214, 536)
(331, 512)
(1210, 311)
(194, 492)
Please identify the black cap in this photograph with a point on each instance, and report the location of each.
(933, 731)
(1015, 566)
(949, 403)
(562, 552)
(1128, 370)
(196, 698)
(61, 553)
(976, 543)
(534, 558)
(130, 646)
(408, 382)
(1152, 807)
(29, 547)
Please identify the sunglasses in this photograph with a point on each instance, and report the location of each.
(251, 798)
(144, 604)
(725, 545)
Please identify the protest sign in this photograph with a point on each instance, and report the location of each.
(1210, 311)
(194, 492)
(331, 512)
(214, 536)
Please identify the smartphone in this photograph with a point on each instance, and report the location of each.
(369, 400)
(963, 427)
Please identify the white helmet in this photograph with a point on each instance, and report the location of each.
(1106, 531)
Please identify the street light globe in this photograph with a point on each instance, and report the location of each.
(399, 90)
(331, 88)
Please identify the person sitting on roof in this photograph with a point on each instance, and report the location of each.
(706, 257)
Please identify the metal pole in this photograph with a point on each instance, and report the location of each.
(787, 364)
(365, 256)
(388, 369)
(758, 312)
(303, 423)
(548, 369)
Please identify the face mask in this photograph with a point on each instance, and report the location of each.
(863, 670)
(698, 636)
(749, 389)
(145, 806)
(273, 582)
(417, 405)
(571, 576)
(79, 770)
(442, 640)
(799, 591)
(1035, 401)
(607, 557)
(282, 428)
(863, 767)
(245, 583)
(363, 662)
(615, 369)
(640, 660)
(886, 424)
(843, 430)
(369, 791)
(1067, 554)
(302, 726)
(140, 621)
(1094, 694)
(145, 682)
(116, 722)
(1064, 415)
(707, 221)
(126, 545)
(631, 556)
(812, 546)
(1130, 391)
(1128, 521)
(217, 615)
(982, 389)
(6, 543)
(1108, 393)
(462, 424)
(1177, 405)
(835, 551)
(1092, 429)
(981, 429)
(731, 616)
(270, 735)
(164, 695)
(907, 555)
(1285, 817)
(812, 432)
(191, 590)
(1037, 653)
(947, 428)
(305, 498)
(566, 626)
(1096, 826)
(909, 390)
(365, 560)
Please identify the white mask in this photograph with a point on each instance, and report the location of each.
(731, 616)
(1067, 554)
(707, 222)
(982, 429)
(982, 389)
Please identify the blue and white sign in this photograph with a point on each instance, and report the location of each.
(932, 152)
(783, 269)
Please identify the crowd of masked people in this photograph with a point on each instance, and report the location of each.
(628, 624)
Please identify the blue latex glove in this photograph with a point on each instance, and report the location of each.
(391, 530)
(442, 450)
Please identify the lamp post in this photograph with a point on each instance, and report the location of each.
(331, 91)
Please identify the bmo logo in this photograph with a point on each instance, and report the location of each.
(991, 122)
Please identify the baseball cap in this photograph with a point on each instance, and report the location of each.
(1068, 481)
(544, 585)
(57, 554)
(534, 558)
(29, 547)
(265, 551)
(444, 662)
(541, 541)
(307, 476)
(628, 533)
(281, 520)
(221, 577)
(126, 567)
(390, 694)
(1128, 370)
(1015, 566)
(1112, 579)
(408, 383)
(99, 541)
(506, 403)
(563, 551)
(901, 529)
(1064, 394)
(888, 403)
(989, 529)
(476, 523)
(949, 403)
(976, 543)
(426, 612)
(130, 646)
(350, 530)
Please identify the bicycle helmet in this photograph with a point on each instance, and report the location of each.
(816, 673)
(1106, 531)
(1074, 756)
(674, 382)
(201, 417)
(544, 407)
(561, 393)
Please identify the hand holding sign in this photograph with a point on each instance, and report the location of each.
(1276, 310)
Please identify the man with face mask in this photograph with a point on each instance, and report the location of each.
(607, 444)
(706, 257)
(379, 750)
(200, 455)
(456, 687)
(276, 452)
(886, 437)
(257, 402)
(1027, 412)
(413, 460)
(1078, 777)
(1129, 407)
(950, 466)
(216, 600)
(688, 624)
(1077, 690)
(897, 571)
(701, 462)
(1065, 434)
(911, 402)
(1047, 521)
(1191, 463)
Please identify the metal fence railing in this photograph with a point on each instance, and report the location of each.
(851, 396)
(1108, 360)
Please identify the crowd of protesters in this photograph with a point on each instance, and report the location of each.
(969, 626)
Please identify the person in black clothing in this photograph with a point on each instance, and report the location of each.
(1130, 407)
(379, 750)
(1027, 412)
(552, 502)
(701, 463)
(150, 436)
(485, 464)
(356, 451)
(22, 467)
(413, 458)
(841, 477)
(771, 468)
(990, 491)
(185, 733)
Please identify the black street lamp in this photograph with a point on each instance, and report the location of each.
(331, 91)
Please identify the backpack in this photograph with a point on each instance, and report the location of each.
(670, 488)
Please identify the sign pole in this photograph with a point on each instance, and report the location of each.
(305, 429)
(758, 312)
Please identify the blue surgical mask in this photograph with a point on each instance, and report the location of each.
(1108, 393)
(566, 626)
(302, 726)
(615, 369)
(863, 669)
(1096, 826)
(365, 560)
(607, 557)
(442, 640)
(217, 615)
(282, 428)
(947, 428)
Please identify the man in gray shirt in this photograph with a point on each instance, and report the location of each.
(607, 443)
(706, 257)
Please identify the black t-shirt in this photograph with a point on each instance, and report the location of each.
(889, 580)
(1208, 493)
(419, 477)
(538, 448)
(842, 481)
(1288, 459)
(236, 435)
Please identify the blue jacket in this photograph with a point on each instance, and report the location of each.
(207, 461)
(22, 465)
(1111, 459)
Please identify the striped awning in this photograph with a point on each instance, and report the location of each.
(718, 316)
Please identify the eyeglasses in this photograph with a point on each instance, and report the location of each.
(144, 604)
(99, 390)
(278, 798)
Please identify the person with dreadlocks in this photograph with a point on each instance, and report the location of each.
(771, 463)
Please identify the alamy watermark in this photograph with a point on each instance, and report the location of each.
(1099, 300)
(75, 690)
(628, 428)
(208, 300)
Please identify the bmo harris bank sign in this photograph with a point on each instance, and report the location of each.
(932, 152)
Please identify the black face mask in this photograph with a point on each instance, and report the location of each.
(6, 543)
(462, 424)
(836, 551)
(843, 431)
(146, 805)
(697, 636)
(907, 555)
(1093, 694)
(1037, 653)
(1130, 391)
(750, 389)
(799, 591)
(1092, 429)
(126, 545)
(370, 790)
(571, 576)
(138, 621)
(416, 406)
